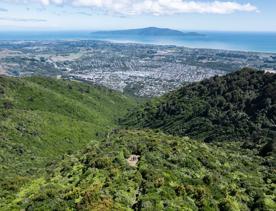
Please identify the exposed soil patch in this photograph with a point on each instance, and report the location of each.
(133, 160)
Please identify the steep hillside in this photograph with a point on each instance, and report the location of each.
(46, 123)
(43, 118)
(239, 106)
(143, 170)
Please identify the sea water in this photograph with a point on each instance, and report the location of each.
(242, 41)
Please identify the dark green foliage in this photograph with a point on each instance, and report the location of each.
(172, 174)
(45, 124)
(268, 148)
(240, 106)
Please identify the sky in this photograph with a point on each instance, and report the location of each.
(200, 15)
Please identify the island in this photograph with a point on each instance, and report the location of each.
(149, 31)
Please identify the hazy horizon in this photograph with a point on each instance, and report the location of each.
(113, 29)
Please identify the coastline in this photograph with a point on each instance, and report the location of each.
(132, 42)
(230, 41)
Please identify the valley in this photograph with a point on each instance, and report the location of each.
(71, 145)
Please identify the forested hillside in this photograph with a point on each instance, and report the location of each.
(143, 170)
(206, 146)
(240, 106)
(42, 118)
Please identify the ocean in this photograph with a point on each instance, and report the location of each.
(241, 41)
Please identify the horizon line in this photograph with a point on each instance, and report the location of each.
(112, 29)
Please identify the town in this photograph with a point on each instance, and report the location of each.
(136, 69)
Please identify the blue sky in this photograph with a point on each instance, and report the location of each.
(219, 15)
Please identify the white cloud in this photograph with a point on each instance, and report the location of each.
(155, 7)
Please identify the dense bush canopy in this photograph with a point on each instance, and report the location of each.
(172, 173)
(43, 118)
(239, 106)
(227, 164)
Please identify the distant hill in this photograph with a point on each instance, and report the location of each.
(240, 106)
(150, 31)
(43, 118)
